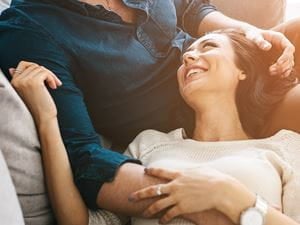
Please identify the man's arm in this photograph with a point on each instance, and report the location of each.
(92, 165)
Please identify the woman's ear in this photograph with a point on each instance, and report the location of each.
(242, 75)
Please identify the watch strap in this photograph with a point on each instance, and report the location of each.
(261, 205)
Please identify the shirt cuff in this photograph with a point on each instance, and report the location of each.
(194, 14)
(99, 171)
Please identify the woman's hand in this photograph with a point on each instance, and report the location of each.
(265, 39)
(194, 190)
(29, 81)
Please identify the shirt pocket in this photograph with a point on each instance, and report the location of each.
(159, 30)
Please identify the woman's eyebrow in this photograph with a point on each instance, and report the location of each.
(207, 40)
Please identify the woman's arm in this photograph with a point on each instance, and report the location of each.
(28, 80)
(202, 189)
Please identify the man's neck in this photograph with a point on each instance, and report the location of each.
(127, 14)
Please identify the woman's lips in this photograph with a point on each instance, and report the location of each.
(194, 72)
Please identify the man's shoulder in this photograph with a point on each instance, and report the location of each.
(12, 19)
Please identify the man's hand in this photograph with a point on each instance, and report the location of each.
(265, 39)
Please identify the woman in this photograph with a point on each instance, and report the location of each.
(215, 69)
(225, 80)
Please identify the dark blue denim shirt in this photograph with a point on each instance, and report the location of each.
(118, 78)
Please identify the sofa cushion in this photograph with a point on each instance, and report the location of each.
(262, 13)
(10, 211)
(4, 4)
(21, 150)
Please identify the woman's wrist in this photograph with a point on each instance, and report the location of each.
(236, 198)
(44, 124)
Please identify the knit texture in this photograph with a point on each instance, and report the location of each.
(269, 167)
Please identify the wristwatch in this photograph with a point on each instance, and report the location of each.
(255, 215)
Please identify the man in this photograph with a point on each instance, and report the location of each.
(117, 63)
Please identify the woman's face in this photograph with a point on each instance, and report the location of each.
(209, 68)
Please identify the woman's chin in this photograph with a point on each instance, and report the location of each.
(193, 87)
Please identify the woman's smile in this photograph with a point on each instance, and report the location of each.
(194, 72)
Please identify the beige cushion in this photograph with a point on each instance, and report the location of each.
(21, 150)
(262, 13)
(10, 211)
(4, 4)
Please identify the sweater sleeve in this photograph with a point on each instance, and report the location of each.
(148, 138)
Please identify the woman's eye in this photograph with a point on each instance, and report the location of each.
(209, 44)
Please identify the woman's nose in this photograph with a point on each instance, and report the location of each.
(189, 58)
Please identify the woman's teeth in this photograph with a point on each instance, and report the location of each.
(194, 72)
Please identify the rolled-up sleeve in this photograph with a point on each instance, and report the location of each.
(190, 14)
(91, 163)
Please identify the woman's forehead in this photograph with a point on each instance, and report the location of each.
(219, 38)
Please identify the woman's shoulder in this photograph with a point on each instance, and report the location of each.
(286, 136)
(149, 138)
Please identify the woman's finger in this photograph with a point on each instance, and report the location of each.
(149, 192)
(45, 76)
(23, 65)
(162, 173)
(57, 80)
(170, 214)
(50, 80)
(35, 73)
(159, 206)
(30, 70)
(12, 71)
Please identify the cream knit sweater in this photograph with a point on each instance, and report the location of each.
(269, 167)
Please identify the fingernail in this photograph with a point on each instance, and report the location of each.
(11, 70)
(267, 45)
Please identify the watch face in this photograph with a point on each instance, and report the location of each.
(252, 217)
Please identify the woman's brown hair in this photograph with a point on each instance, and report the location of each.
(260, 92)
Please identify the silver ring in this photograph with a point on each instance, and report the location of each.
(158, 190)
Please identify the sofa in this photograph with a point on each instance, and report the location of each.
(23, 195)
